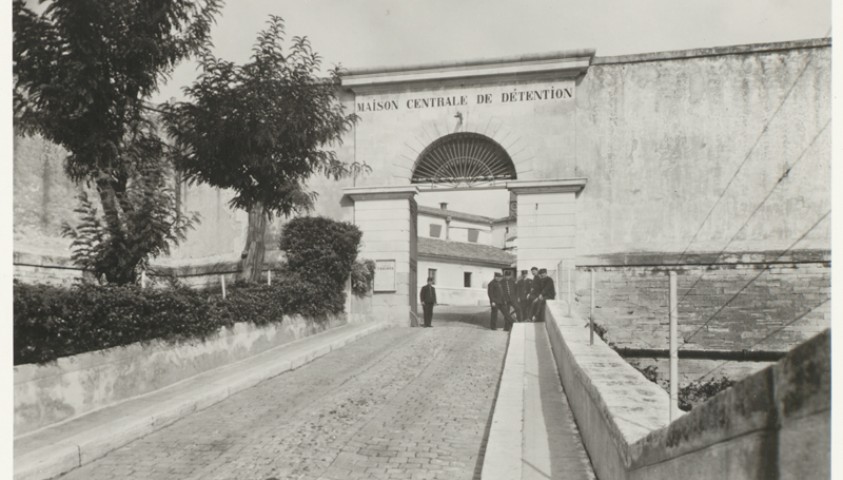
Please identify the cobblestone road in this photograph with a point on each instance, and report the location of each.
(399, 404)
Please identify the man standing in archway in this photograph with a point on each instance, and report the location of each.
(522, 292)
(546, 291)
(428, 300)
(510, 298)
(498, 302)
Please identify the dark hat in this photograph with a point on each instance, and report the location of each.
(497, 274)
(524, 271)
(542, 270)
(507, 273)
(534, 268)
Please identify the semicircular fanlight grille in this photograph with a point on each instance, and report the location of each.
(463, 160)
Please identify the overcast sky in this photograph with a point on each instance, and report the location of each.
(369, 33)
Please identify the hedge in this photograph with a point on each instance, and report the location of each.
(53, 322)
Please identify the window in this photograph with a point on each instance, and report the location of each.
(466, 279)
(431, 273)
(435, 230)
(473, 234)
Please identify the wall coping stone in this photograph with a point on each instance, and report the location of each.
(567, 185)
(669, 259)
(387, 192)
(744, 49)
(570, 63)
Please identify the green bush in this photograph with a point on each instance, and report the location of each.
(321, 250)
(697, 393)
(52, 322)
(694, 393)
(362, 274)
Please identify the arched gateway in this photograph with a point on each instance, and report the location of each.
(463, 159)
(509, 127)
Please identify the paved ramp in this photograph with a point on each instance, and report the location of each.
(401, 403)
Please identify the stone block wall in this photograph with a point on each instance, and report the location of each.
(774, 305)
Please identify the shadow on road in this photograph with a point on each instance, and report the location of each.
(459, 316)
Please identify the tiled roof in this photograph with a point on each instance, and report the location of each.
(469, 217)
(433, 247)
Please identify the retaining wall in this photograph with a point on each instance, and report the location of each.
(631, 301)
(774, 424)
(76, 385)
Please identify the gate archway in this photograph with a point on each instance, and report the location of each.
(463, 159)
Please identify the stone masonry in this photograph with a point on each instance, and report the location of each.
(632, 304)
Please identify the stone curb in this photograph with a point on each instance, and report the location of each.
(54, 460)
(503, 449)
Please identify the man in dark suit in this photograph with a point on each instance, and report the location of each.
(428, 300)
(510, 298)
(522, 294)
(547, 292)
(497, 301)
(535, 289)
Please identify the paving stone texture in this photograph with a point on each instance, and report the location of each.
(403, 403)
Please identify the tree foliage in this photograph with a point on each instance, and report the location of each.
(262, 128)
(83, 71)
(150, 227)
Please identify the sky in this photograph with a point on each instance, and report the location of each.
(373, 33)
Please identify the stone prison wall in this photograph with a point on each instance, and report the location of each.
(766, 306)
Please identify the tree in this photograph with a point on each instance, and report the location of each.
(83, 71)
(262, 129)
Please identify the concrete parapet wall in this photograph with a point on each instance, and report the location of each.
(76, 385)
(775, 424)
(613, 404)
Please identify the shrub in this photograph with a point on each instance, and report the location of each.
(692, 394)
(321, 250)
(696, 393)
(362, 274)
(52, 322)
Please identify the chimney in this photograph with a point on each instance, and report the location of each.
(443, 205)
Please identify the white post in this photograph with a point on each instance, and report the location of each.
(674, 349)
(591, 313)
(143, 278)
(269, 278)
(222, 282)
(570, 297)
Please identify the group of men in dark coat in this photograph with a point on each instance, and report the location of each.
(526, 296)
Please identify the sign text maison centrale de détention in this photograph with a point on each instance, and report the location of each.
(551, 93)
